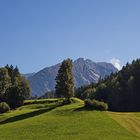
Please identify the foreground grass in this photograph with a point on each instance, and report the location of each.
(130, 121)
(43, 121)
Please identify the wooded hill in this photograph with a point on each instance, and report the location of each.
(120, 90)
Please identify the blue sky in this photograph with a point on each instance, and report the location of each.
(39, 33)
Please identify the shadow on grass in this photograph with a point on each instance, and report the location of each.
(84, 109)
(80, 109)
(28, 115)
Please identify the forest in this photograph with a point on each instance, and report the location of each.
(120, 90)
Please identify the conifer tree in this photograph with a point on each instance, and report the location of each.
(64, 80)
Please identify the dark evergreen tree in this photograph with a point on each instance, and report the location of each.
(64, 80)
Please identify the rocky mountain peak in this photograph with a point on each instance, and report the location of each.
(84, 71)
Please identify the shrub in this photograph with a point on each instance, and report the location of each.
(96, 105)
(4, 107)
(67, 101)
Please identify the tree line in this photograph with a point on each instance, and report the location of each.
(14, 88)
(120, 90)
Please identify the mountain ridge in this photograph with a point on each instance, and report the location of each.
(85, 71)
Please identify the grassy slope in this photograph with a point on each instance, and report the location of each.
(39, 122)
(130, 121)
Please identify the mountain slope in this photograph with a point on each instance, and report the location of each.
(84, 71)
(29, 75)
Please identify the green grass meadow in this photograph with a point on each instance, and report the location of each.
(44, 120)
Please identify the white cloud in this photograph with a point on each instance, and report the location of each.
(117, 63)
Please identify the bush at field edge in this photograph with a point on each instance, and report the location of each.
(96, 105)
(4, 107)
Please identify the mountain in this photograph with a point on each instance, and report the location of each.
(84, 71)
(121, 90)
(28, 75)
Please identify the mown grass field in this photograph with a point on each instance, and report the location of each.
(42, 120)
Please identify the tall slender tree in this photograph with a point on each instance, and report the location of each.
(64, 80)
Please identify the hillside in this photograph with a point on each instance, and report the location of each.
(40, 120)
(120, 90)
(84, 71)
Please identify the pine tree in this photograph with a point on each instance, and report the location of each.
(64, 80)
